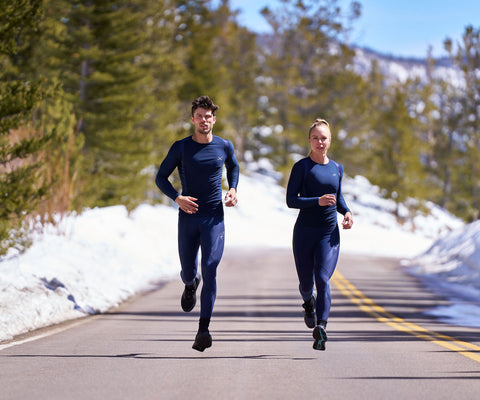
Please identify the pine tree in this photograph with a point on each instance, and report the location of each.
(448, 152)
(164, 57)
(467, 58)
(396, 150)
(309, 65)
(197, 37)
(237, 66)
(103, 62)
(21, 184)
(353, 125)
(439, 119)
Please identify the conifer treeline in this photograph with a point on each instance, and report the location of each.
(93, 92)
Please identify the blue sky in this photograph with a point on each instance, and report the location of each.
(398, 27)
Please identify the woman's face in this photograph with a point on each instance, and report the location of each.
(320, 138)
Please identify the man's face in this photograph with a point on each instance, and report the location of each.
(203, 120)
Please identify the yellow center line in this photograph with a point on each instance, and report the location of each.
(380, 314)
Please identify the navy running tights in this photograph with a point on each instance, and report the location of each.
(316, 252)
(207, 234)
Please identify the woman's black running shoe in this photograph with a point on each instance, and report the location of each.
(320, 336)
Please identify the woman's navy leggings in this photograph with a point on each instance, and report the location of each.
(208, 234)
(316, 252)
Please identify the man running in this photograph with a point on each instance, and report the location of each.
(200, 159)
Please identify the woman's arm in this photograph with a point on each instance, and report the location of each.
(295, 183)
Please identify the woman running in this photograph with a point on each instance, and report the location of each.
(315, 187)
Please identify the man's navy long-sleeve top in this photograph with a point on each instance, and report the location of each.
(200, 166)
(308, 182)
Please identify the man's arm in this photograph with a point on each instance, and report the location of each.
(231, 163)
(171, 161)
(233, 173)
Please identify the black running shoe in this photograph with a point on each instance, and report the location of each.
(189, 296)
(320, 336)
(309, 313)
(203, 341)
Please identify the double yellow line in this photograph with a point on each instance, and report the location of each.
(380, 314)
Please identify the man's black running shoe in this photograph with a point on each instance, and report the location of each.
(189, 296)
(309, 313)
(203, 341)
(320, 336)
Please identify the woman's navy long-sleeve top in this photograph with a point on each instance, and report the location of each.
(308, 182)
(200, 166)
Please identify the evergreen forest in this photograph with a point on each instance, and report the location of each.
(94, 92)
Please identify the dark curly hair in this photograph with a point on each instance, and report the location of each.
(204, 102)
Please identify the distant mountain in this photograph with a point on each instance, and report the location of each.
(399, 69)
(395, 68)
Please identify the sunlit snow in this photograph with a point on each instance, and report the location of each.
(104, 256)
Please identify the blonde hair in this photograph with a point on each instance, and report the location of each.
(318, 121)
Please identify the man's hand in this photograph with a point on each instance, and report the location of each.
(231, 198)
(187, 204)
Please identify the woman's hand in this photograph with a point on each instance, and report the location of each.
(347, 221)
(327, 200)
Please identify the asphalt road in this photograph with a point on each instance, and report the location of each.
(381, 345)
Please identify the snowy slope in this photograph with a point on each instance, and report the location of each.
(104, 256)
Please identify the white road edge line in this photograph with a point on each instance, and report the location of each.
(49, 332)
